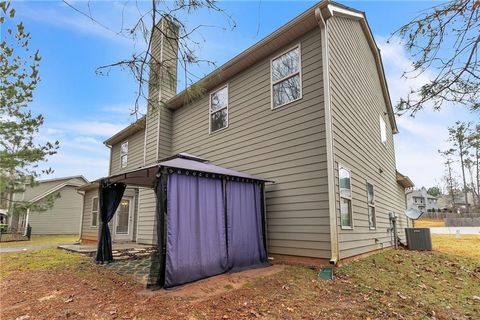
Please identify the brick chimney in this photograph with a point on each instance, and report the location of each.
(161, 87)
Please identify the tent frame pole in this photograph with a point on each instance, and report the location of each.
(264, 218)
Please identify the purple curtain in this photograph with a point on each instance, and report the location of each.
(196, 239)
(245, 228)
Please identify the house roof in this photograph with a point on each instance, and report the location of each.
(267, 46)
(282, 37)
(63, 178)
(404, 181)
(126, 132)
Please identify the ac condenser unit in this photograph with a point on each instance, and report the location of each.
(418, 238)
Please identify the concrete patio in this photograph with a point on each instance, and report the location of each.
(119, 249)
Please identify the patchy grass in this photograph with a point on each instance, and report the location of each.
(39, 240)
(464, 245)
(417, 284)
(427, 223)
(42, 259)
(395, 284)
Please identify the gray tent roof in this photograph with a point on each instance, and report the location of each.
(146, 176)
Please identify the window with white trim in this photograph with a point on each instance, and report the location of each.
(219, 109)
(383, 131)
(124, 154)
(286, 78)
(344, 176)
(372, 221)
(94, 221)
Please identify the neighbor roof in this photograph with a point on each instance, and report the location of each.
(33, 197)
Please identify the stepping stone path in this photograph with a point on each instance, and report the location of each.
(134, 262)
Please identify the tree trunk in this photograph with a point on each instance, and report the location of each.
(465, 190)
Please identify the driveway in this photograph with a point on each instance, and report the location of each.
(455, 230)
(25, 248)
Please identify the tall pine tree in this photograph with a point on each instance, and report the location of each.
(20, 154)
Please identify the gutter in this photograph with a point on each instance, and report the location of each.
(322, 23)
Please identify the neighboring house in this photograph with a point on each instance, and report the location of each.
(421, 200)
(445, 201)
(66, 212)
(307, 107)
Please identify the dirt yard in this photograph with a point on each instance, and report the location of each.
(54, 284)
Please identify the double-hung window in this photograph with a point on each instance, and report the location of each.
(286, 78)
(94, 221)
(219, 109)
(346, 220)
(124, 154)
(372, 222)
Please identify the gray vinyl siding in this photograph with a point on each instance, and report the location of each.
(161, 89)
(146, 223)
(357, 103)
(135, 153)
(286, 145)
(90, 232)
(62, 218)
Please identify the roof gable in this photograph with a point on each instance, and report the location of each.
(289, 32)
(47, 187)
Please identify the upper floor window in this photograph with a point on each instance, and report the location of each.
(286, 78)
(124, 154)
(372, 221)
(346, 220)
(219, 109)
(94, 221)
(383, 131)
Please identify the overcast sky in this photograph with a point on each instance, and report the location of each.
(82, 109)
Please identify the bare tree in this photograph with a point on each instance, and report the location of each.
(445, 41)
(149, 15)
(458, 135)
(474, 145)
(450, 181)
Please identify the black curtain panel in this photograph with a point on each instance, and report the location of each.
(109, 197)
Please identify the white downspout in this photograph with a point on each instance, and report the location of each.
(26, 222)
(82, 193)
(328, 137)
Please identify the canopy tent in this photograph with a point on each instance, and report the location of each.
(210, 219)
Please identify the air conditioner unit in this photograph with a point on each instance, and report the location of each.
(418, 238)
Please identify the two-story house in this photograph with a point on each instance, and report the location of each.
(421, 200)
(307, 107)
